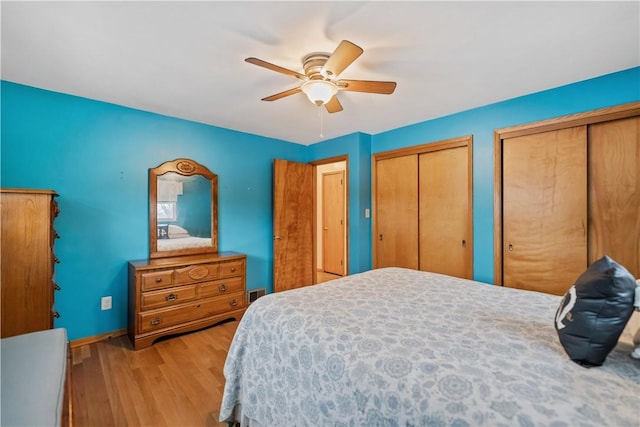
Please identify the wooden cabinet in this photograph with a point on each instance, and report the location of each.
(423, 208)
(179, 294)
(27, 260)
(567, 193)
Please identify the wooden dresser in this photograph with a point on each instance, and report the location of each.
(184, 293)
(27, 260)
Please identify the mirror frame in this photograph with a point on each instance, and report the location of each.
(185, 167)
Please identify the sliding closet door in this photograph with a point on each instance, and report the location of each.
(445, 226)
(545, 210)
(614, 192)
(396, 210)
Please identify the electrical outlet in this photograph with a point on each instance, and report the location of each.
(105, 303)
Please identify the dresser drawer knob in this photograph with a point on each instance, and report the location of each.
(222, 288)
(233, 303)
(171, 297)
(233, 269)
(156, 321)
(158, 279)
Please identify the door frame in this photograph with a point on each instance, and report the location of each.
(562, 122)
(316, 163)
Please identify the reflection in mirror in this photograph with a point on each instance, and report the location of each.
(183, 209)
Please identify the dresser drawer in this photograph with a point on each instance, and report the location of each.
(158, 319)
(168, 297)
(195, 273)
(221, 287)
(232, 268)
(156, 280)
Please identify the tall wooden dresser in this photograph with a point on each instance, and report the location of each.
(28, 260)
(184, 293)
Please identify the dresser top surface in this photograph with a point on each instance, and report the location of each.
(27, 191)
(187, 259)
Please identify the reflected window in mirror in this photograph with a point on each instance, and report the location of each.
(183, 209)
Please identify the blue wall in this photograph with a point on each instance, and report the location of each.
(97, 156)
(612, 89)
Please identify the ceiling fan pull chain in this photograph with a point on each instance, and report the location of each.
(321, 122)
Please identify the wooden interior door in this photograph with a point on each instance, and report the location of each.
(333, 237)
(292, 225)
(444, 221)
(396, 210)
(544, 207)
(614, 192)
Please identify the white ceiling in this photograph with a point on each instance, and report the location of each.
(186, 59)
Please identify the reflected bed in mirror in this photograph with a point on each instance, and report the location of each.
(183, 209)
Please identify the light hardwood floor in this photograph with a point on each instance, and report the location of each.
(325, 277)
(175, 382)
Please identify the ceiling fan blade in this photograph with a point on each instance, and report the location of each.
(341, 58)
(333, 106)
(385, 88)
(273, 67)
(282, 94)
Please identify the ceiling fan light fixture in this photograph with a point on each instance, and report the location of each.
(319, 92)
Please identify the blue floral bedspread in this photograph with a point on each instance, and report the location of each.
(398, 347)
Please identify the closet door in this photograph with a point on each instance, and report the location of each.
(544, 210)
(396, 210)
(445, 212)
(614, 192)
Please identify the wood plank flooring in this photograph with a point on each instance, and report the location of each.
(175, 382)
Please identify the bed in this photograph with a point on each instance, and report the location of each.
(183, 243)
(398, 347)
(173, 237)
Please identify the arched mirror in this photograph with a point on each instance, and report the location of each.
(183, 209)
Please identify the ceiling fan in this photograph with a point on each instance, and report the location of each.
(319, 79)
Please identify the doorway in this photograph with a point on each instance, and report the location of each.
(331, 219)
(331, 223)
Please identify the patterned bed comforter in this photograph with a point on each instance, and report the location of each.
(397, 347)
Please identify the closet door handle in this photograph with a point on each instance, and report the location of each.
(380, 237)
(510, 247)
(464, 243)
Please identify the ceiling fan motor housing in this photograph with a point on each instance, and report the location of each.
(313, 63)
